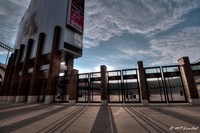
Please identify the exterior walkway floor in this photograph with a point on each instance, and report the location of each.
(86, 118)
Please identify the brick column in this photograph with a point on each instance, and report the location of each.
(104, 85)
(54, 66)
(188, 80)
(69, 62)
(35, 79)
(6, 79)
(10, 74)
(142, 83)
(15, 76)
(72, 87)
(21, 88)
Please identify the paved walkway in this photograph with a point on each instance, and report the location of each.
(82, 118)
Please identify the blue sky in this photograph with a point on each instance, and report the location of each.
(118, 33)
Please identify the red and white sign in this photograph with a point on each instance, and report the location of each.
(76, 15)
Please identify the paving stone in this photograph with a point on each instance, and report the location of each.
(94, 118)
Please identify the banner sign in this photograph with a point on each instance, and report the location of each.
(75, 17)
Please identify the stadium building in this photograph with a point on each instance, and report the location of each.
(40, 69)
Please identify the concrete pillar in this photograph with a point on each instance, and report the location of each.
(15, 76)
(54, 67)
(142, 83)
(104, 85)
(35, 79)
(21, 88)
(188, 80)
(72, 87)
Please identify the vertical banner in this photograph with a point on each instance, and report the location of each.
(75, 18)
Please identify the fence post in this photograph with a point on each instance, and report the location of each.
(72, 87)
(104, 87)
(188, 80)
(142, 83)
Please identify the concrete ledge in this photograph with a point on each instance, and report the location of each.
(5, 98)
(11, 98)
(145, 102)
(195, 101)
(104, 102)
(32, 99)
(20, 99)
(72, 102)
(48, 99)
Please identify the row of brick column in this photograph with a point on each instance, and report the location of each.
(23, 86)
(187, 76)
(8, 76)
(186, 73)
(14, 82)
(24, 74)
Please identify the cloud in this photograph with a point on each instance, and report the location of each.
(3, 52)
(11, 12)
(107, 19)
(129, 51)
(165, 50)
(169, 48)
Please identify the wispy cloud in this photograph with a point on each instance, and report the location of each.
(184, 42)
(166, 49)
(11, 12)
(106, 19)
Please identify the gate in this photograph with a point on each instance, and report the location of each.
(131, 89)
(61, 94)
(155, 86)
(196, 73)
(95, 87)
(83, 88)
(115, 92)
(174, 84)
(89, 87)
(165, 84)
(43, 83)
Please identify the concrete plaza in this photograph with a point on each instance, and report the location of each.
(94, 118)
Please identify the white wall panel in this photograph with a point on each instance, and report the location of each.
(43, 16)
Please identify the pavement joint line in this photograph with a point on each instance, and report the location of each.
(9, 121)
(136, 118)
(179, 116)
(9, 104)
(111, 122)
(180, 110)
(50, 120)
(60, 121)
(74, 118)
(26, 122)
(153, 119)
(150, 121)
(157, 123)
(32, 105)
(140, 118)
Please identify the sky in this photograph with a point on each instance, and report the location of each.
(118, 33)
